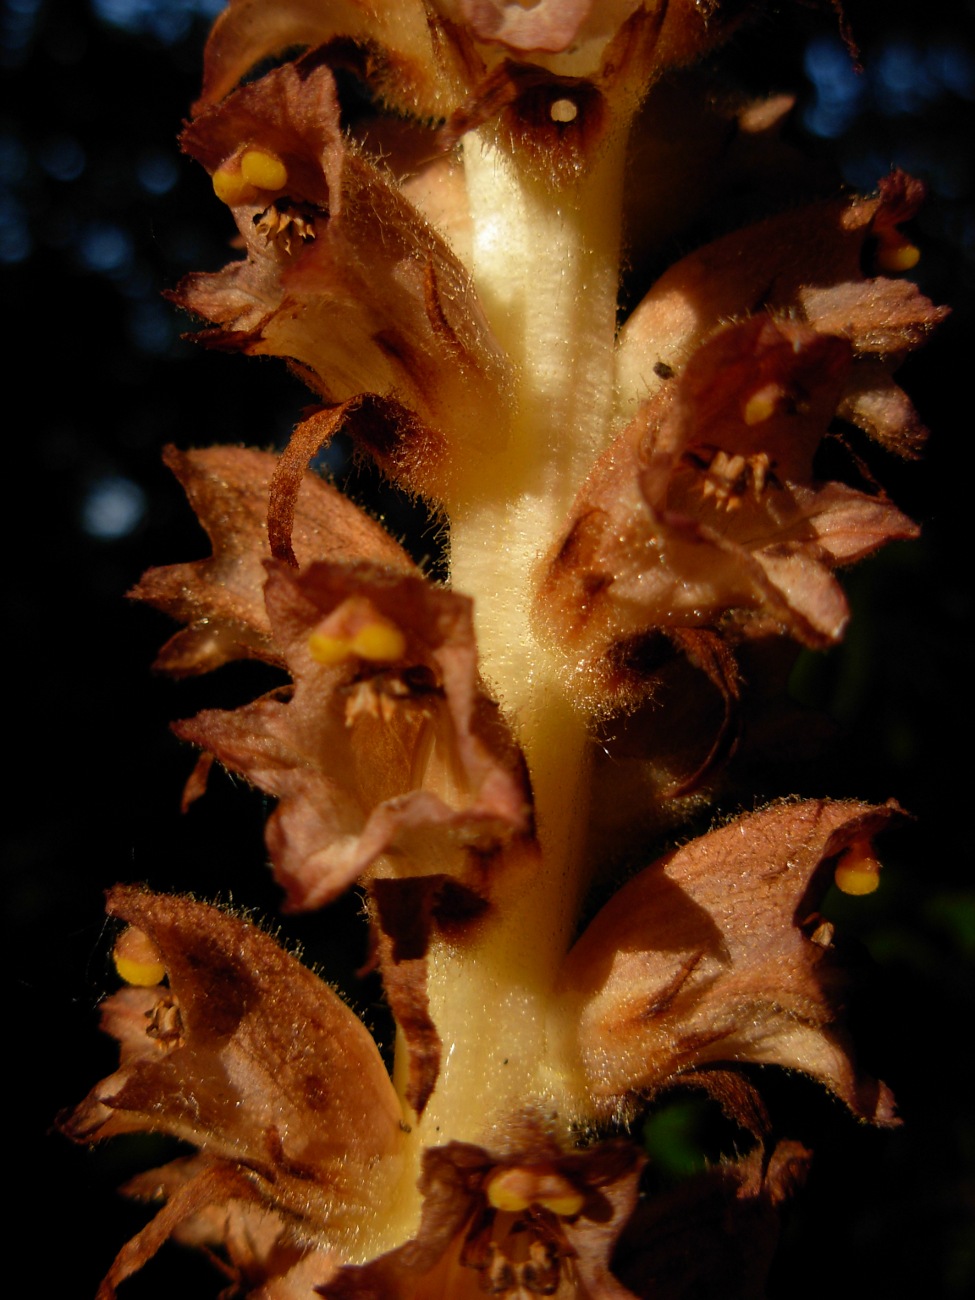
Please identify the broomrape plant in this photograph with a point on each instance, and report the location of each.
(636, 525)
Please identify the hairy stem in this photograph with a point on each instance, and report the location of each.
(546, 267)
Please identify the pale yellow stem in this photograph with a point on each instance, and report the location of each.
(546, 267)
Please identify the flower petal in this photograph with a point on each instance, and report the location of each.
(413, 65)
(703, 513)
(702, 957)
(250, 1057)
(368, 299)
(462, 1238)
(405, 913)
(549, 26)
(369, 753)
(260, 1250)
(211, 1184)
(221, 599)
(808, 262)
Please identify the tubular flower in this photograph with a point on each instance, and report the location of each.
(633, 499)
(227, 1042)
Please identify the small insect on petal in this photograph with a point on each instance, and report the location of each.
(265, 171)
(858, 871)
(137, 959)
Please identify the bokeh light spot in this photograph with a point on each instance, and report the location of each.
(113, 507)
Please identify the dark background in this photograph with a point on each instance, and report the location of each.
(99, 213)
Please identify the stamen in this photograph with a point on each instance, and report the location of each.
(823, 934)
(728, 478)
(330, 650)
(897, 254)
(565, 1206)
(229, 185)
(265, 171)
(137, 959)
(165, 1024)
(761, 406)
(858, 871)
(760, 464)
(378, 641)
(517, 1189)
(285, 226)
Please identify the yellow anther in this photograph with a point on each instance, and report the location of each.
(519, 1187)
(898, 257)
(349, 633)
(502, 1197)
(229, 185)
(379, 641)
(325, 649)
(137, 959)
(263, 170)
(761, 405)
(858, 871)
(565, 1206)
(563, 110)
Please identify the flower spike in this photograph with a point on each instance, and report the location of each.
(434, 203)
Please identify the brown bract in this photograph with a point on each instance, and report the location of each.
(210, 1205)
(221, 599)
(247, 1055)
(705, 513)
(467, 1245)
(406, 914)
(407, 755)
(427, 56)
(715, 954)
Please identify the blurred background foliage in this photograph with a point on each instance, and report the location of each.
(98, 214)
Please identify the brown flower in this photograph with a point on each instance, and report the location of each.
(232, 1045)
(432, 55)
(713, 955)
(387, 738)
(819, 264)
(705, 512)
(387, 742)
(221, 599)
(716, 952)
(538, 1223)
(445, 276)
